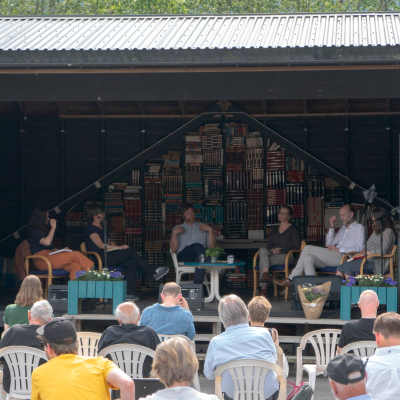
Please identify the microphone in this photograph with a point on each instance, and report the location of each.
(396, 209)
(111, 188)
(370, 194)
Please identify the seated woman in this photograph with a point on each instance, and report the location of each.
(123, 256)
(352, 268)
(175, 365)
(29, 293)
(40, 238)
(283, 238)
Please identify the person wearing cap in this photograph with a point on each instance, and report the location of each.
(347, 378)
(25, 335)
(383, 368)
(67, 376)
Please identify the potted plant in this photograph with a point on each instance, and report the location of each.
(313, 298)
(386, 289)
(214, 253)
(96, 285)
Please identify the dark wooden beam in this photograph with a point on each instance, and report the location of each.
(102, 106)
(21, 107)
(182, 105)
(62, 108)
(388, 105)
(305, 106)
(264, 107)
(142, 107)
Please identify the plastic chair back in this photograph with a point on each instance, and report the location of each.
(365, 348)
(88, 343)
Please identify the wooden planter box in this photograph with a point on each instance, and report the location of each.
(350, 295)
(94, 290)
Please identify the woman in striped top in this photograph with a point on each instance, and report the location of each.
(352, 268)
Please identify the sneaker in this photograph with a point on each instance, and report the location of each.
(131, 297)
(160, 273)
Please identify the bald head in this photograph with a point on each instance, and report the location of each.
(368, 304)
(127, 313)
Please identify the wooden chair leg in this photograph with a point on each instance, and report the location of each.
(255, 283)
(275, 276)
(286, 293)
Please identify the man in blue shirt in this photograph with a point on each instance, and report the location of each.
(173, 316)
(347, 378)
(239, 342)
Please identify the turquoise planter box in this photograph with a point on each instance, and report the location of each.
(95, 290)
(350, 295)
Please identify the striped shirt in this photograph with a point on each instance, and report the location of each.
(374, 247)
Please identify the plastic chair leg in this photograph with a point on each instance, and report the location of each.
(312, 377)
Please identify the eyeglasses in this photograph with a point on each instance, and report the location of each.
(282, 213)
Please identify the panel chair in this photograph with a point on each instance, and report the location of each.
(365, 348)
(276, 270)
(88, 343)
(324, 342)
(248, 377)
(182, 270)
(196, 380)
(128, 357)
(21, 360)
(48, 274)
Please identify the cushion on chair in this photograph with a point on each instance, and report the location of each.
(56, 272)
(119, 269)
(281, 267)
(326, 269)
(257, 268)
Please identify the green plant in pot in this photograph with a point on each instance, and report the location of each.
(214, 253)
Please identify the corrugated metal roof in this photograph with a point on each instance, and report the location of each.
(199, 32)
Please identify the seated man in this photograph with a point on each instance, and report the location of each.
(172, 317)
(25, 335)
(383, 368)
(190, 239)
(69, 376)
(347, 378)
(259, 309)
(349, 238)
(239, 341)
(356, 331)
(128, 331)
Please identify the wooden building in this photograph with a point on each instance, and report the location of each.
(84, 100)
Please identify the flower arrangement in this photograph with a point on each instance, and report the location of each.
(94, 275)
(312, 292)
(369, 281)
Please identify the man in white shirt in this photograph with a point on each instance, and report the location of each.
(349, 238)
(383, 368)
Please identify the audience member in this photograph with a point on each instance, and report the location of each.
(282, 239)
(118, 256)
(356, 331)
(175, 365)
(30, 293)
(259, 309)
(191, 238)
(172, 316)
(239, 341)
(388, 238)
(347, 378)
(69, 376)
(350, 238)
(383, 368)
(128, 331)
(25, 335)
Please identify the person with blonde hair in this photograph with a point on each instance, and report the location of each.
(175, 365)
(30, 292)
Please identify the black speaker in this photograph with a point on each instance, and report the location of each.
(58, 298)
(334, 292)
(193, 294)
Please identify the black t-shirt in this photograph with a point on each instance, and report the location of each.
(90, 245)
(19, 335)
(288, 240)
(356, 331)
(34, 238)
(130, 333)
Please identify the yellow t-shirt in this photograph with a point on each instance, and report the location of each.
(72, 377)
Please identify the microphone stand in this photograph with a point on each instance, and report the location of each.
(364, 214)
(110, 189)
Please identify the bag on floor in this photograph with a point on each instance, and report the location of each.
(302, 391)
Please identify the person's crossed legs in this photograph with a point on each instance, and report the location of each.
(191, 254)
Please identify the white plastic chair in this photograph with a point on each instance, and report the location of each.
(128, 357)
(324, 342)
(88, 343)
(196, 380)
(187, 269)
(365, 348)
(248, 378)
(21, 361)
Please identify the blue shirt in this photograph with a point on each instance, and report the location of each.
(362, 397)
(240, 342)
(169, 320)
(191, 236)
(90, 245)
